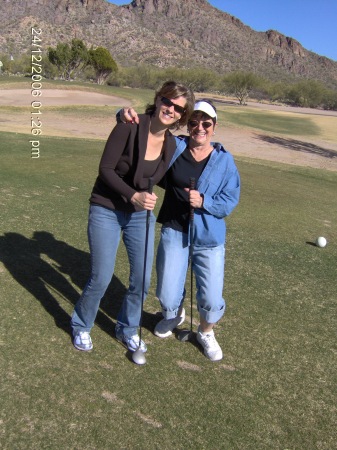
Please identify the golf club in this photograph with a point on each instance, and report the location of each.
(186, 335)
(138, 356)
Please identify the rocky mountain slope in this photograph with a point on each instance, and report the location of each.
(187, 34)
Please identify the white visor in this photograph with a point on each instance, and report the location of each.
(206, 108)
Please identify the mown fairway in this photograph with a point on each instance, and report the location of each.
(275, 387)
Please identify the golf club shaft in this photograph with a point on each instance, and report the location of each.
(148, 216)
(191, 226)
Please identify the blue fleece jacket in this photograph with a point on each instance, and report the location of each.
(220, 185)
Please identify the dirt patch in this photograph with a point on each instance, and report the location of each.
(307, 153)
(59, 97)
(316, 153)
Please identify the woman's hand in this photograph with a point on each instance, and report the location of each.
(196, 199)
(128, 115)
(144, 200)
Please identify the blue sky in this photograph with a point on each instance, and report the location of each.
(311, 22)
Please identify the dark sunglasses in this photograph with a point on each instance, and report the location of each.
(177, 108)
(195, 123)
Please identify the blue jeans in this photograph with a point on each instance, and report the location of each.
(208, 265)
(104, 230)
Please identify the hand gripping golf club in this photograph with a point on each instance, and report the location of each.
(138, 356)
(186, 335)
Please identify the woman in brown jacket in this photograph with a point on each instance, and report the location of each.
(118, 205)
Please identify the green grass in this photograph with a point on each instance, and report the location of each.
(274, 389)
(269, 121)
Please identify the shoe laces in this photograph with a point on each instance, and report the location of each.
(135, 339)
(84, 336)
(210, 340)
(137, 342)
(84, 333)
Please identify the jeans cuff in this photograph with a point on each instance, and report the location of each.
(121, 330)
(211, 316)
(170, 314)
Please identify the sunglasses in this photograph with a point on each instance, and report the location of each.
(167, 102)
(195, 123)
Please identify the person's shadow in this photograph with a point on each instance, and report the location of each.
(54, 275)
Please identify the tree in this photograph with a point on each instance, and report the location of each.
(306, 93)
(69, 59)
(60, 57)
(6, 63)
(277, 91)
(141, 76)
(79, 56)
(330, 100)
(201, 80)
(103, 63)
(240, 84)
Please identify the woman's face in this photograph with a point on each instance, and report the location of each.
(201, 129)
(170, 110)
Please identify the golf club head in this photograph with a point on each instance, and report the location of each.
(185, 335)
(138, 357)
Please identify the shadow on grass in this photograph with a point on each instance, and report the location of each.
(224, 101)
(190, 340)
(299, 146)
(67, 266)
(311, 243)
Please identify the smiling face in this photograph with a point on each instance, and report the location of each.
(169, 111)
(176, 93)
(201, 128)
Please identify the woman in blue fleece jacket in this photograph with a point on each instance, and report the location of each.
(216, 194)
(214, 197)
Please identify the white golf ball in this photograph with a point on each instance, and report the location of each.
(321, 242)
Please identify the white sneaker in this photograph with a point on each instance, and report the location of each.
(211, 347)
(165, 327)
(132, 343)
(82, 341)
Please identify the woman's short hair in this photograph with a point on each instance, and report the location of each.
(172, 90)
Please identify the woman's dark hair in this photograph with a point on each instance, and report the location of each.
(172, 90)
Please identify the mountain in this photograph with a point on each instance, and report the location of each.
(186, 34)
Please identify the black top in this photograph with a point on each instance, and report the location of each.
(150, 167)
(175, 209)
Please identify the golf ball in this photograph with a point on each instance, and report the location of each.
(321, 242)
